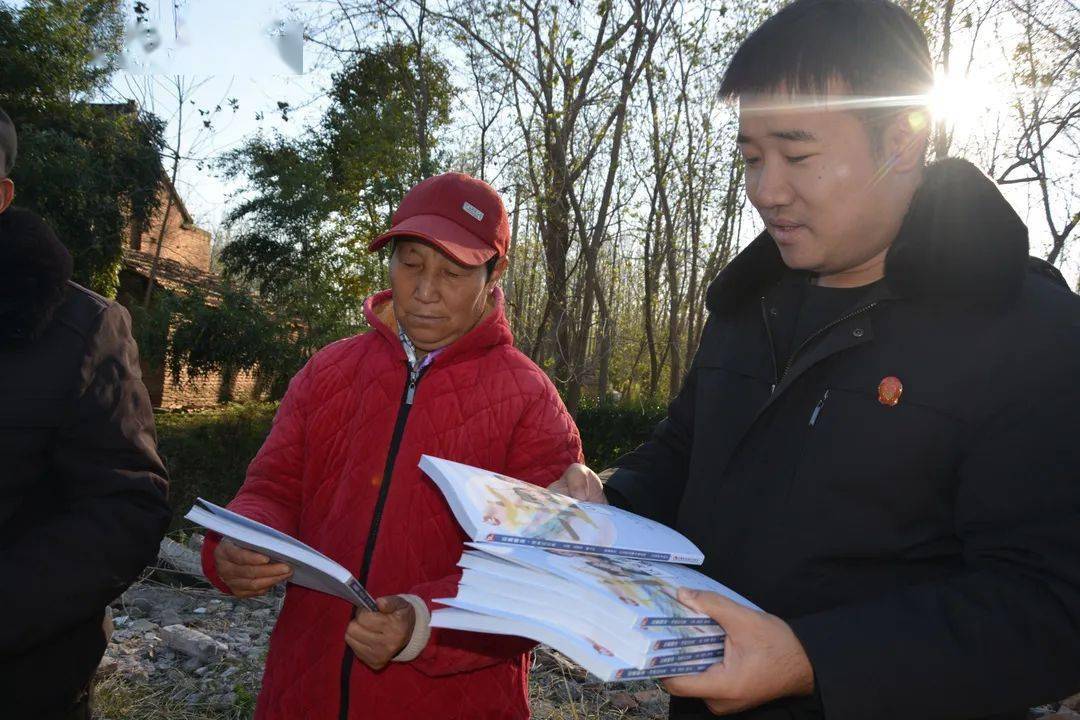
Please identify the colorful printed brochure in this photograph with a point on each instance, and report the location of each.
(535, 554)
(495, 508)
(646, 591)
(311, 568)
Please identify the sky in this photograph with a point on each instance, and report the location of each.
(250, 51)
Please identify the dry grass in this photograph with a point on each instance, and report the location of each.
(559, 691)
(119, 698)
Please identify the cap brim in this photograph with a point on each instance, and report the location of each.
(461, 245)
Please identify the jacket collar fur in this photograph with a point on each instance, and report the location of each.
(960, 241)
(34, 271)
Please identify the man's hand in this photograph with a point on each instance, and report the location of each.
(377, 638)
(763, 660)
(247, 573)
(580, 483)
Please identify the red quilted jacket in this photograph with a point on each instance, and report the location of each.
(339, 471)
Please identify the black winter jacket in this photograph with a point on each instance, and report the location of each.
(926, 554)
(82, 490)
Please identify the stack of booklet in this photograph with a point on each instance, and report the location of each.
(594, 582)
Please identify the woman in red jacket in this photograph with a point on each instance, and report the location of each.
(437, 374)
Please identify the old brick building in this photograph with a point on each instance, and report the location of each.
(184, 263)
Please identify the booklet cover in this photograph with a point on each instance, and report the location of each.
(645, 591)
(495, 508)
(311, 569)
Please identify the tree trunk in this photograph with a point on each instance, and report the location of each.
(423, 105)
(169, 203)
(650, 331)
(511, 277)
(606, 331)
(942, 136)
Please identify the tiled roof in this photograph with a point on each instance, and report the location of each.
(173, 275)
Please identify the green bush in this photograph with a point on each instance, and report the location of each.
(208, 451)
(609, 431)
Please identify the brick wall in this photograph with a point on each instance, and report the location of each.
(210, 390)
(183, 242)
(190, 246)
(205, 391)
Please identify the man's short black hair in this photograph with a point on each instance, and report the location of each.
(9, 144)
(489, 265)
(874, 46)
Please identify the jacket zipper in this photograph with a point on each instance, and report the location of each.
(817, 408)
(772, 347)
(411, 382)
(819, 333)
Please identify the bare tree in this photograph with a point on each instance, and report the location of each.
(173, 100)
(570, 91)
(1048, 116)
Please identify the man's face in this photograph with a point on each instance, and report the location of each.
(436, 301)
(813, 174)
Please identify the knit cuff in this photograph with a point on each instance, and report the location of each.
(421, 630)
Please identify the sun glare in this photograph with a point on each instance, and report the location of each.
(963, 103)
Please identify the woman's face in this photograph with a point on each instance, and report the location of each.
(436, 301)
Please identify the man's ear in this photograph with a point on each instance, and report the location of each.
(7, 193)
(904, 141)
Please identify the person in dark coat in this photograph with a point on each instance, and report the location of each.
(82, 491)
(877, 441)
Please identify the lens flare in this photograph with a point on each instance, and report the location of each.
(962, 102)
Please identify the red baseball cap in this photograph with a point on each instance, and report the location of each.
(460, 215)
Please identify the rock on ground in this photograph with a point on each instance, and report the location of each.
(191, 642)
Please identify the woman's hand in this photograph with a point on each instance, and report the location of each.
(246, 573)
(377, 637)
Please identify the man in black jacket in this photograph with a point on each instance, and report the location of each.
(82, 490)
(877, 440)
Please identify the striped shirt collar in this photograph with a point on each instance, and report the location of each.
(410, 353)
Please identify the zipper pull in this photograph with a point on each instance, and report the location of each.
(817, 408)
(413, 377)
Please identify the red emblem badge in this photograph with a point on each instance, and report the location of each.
(889, 391)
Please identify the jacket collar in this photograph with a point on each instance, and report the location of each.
(34, 271)
(492, 330)
(959, 241)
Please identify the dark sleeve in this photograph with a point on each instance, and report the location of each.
(650, 480)
(110, 500)
(1005, 634)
